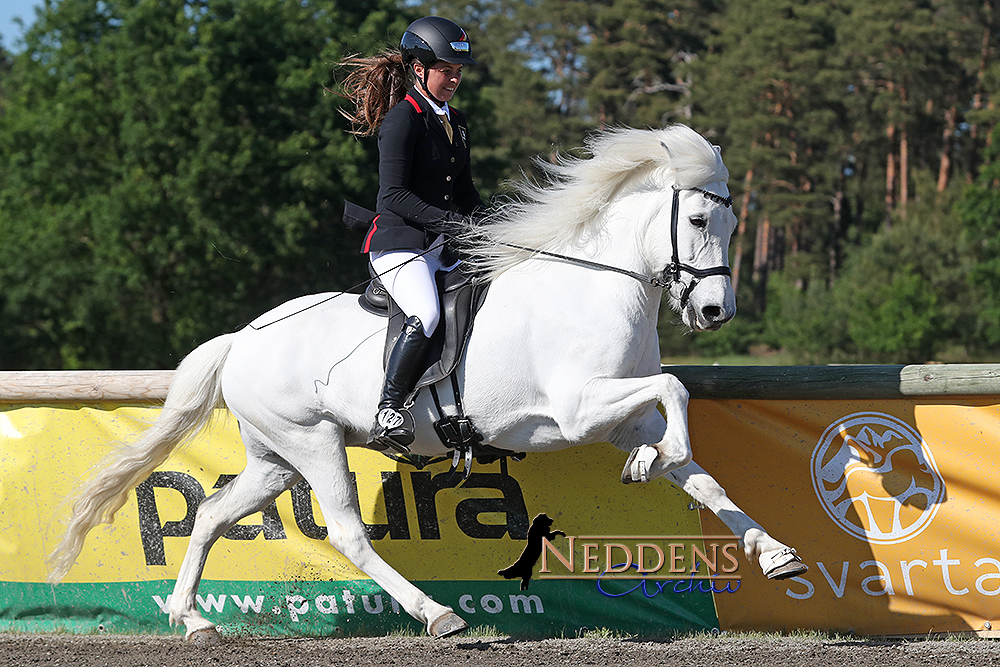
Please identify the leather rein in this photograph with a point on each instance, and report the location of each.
(673, 270)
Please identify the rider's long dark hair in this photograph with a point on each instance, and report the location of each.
(374, 85)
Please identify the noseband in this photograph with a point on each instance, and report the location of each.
(673, 270)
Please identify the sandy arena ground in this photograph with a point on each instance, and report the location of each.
(701, 651)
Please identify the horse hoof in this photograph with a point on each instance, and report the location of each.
(638, 464)
(447, 625)
(782, 564)
(205, 637)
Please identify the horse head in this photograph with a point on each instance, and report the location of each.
(688, 238)
(699, 285)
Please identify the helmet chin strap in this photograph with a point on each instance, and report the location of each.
(423, 86)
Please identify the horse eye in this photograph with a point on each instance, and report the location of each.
(699, 222)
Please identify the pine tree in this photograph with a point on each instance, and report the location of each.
(768, 90)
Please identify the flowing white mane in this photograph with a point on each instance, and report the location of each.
(555, 214)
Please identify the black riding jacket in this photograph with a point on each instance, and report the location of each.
(423, 179)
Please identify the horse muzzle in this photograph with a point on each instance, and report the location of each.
(709, 304)
(711, 318)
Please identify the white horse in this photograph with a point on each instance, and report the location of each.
(562, 354)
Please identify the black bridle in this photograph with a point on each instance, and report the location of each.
(673, 270)
(675, 267)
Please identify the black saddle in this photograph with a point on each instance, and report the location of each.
(461, 297)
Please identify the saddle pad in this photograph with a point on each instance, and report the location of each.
(460, 303)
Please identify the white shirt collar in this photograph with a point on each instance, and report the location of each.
(439, 110)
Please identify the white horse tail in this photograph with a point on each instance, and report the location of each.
(195, 392)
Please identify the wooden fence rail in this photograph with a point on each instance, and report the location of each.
(84, 386)
(739, 382)
(838, 382)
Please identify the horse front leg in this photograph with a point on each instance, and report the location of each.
(777, 560)
(623, 410)
(661, 446)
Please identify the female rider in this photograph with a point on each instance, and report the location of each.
(424, 183)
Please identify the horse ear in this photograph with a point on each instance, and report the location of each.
(718, 149)
(667, 148)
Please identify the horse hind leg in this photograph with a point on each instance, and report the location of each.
(777, 560)
(251, 491)
(322, 447)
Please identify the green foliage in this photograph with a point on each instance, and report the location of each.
(900, 317)
(979, 210)
(173, 169)
(902, 298)
(810, 323)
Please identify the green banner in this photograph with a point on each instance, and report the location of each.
(316, 608)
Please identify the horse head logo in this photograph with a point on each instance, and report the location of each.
(876, 478)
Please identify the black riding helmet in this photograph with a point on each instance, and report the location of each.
(433, 38)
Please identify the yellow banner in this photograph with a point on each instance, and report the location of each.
(421, 522)
(893, 504)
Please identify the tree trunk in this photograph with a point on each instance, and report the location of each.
(985, 51)
(761, 257)
(890, 176)
(836, 222)
(741, 229)
(944, 169)
(904, 163)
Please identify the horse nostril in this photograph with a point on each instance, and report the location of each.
(711, 313)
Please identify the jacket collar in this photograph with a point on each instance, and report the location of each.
(425, 108)
(423, 100)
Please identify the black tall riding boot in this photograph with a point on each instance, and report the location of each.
(393, 423)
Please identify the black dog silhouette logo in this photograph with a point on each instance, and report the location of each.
(525, 564)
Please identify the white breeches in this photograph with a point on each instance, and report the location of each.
(408, 276)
